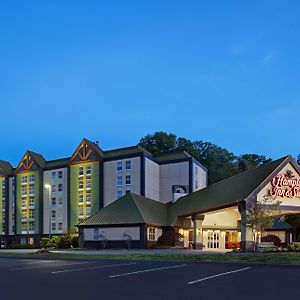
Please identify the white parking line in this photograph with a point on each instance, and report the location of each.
(148, 270)
(92, 268)
(218, 275)
(50, 261)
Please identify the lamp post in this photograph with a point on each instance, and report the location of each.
(48, 187)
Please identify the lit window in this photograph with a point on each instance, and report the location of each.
(119, 194)
(60, 187)
(80, 184)
(119, 166)
(88, 184)
(60, 174)
(24, 179)
(80, 198)
(88, 198)
(128, 180)
(31, 178)
(24, 203)
(128, 165)
(119, 181)
(80, 171)
(88, 170)
(151, 235)
(88, 211)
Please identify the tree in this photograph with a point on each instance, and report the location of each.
(159, 142)
(298, 159)
(260, 215)
(247, 162)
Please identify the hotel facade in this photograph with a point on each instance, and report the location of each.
(40, 198)
(212, 218)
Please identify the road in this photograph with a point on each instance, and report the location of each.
(117, 279)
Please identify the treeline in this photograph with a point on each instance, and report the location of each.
(220, 162)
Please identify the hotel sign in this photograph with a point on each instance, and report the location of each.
(286, 185)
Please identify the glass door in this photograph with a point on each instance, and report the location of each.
(213, 239)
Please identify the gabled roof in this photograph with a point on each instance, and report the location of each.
(226, 192)
(5, 168)
(38, 158)
(130, 209)
(280, 224)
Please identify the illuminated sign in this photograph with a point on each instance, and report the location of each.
(286, 185)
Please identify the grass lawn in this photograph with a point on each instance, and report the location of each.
(291, 258)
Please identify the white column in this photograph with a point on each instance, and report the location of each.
(198, 232)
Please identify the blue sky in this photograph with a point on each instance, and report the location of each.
(113, 71)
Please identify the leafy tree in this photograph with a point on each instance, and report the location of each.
(247, 162)
(260, 216)
(159, 142)
(298, 159)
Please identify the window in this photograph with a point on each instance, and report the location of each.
(53, 201)
(119, 194)
(53, 176)
(24, 203)
(60, 226)
(53, 214)
(24, 190)
(60, 174)
(31, 178)
(128, 180)
(88, 211)
(60, 200)
(80, 211)
(128, 191)
(119, 166)
(88, 170)
(24, 179)
(59, 214)
(60, 187)
(53, 226)
(31, 189)
(80, 172)
(151, 234)
(53, 188)
(119, 181)
(96, 233)
(88, 198)
(80, 198)
(31, 226)
(80, 184)
(88, 184)
(23, 241)
(128, 165)
(31, 214)
(31, 202)
(24, 215)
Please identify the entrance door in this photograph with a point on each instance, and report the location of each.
(213, 239)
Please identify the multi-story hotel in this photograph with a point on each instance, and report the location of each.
(41, 197)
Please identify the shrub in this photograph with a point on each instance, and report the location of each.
(169, 238)
(74, 242)
(63, 242)
(44, 242)
(272, 238)
(294, 247)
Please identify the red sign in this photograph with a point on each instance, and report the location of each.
(285, 186)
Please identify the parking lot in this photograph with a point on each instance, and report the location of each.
(117, 279)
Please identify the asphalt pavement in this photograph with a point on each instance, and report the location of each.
(120, 279)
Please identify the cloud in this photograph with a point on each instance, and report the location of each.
(267, 57)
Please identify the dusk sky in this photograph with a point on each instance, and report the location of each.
(220, 71)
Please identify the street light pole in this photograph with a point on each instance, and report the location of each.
(48, 187)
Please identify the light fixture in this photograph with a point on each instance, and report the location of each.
(47, 186)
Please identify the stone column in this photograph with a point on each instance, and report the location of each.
(247, 244)
(197, 231)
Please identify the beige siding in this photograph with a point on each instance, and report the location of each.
(222, 219)
(151, 179)
(61, 209)
(110, 178)
(172, 174)
(114, 233)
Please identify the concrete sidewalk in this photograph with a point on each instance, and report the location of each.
(115, 252)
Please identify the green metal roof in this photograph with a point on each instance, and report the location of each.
(280, 224)
(223, 193)
(130, 209)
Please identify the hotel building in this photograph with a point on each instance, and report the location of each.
(40, 197)
(211, 218)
